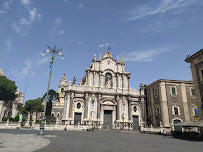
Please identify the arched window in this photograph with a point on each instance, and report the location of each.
(135, 108)
(78, 105)
(62, 90)
(58, 115)
(176, 110)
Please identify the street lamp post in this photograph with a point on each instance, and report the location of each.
(54, 52)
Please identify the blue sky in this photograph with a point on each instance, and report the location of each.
(153, 36)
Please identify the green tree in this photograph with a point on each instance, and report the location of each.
(7, 89)
(33, 106)
(52, 96)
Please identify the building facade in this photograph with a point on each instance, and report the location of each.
(170, 102)
(103, 97)
(196, 65)
(11, 109)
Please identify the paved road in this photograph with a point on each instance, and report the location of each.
(101, 141)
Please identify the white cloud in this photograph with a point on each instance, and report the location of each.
(34, 15)
(61, 32)
(159, 26)
(43, 60)
(104, 45)
(58, 21)
(15, 27)
(5, 7)
(25, 2)
(76, 42)
(28, 66)
(7, 4)
(56, 29)
(81, 5)
(80, 43)
(24, 24)
(163, 7)
(23, 21)
(142, 56)
(2, 12)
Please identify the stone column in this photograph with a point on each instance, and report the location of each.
(102, 114)
(14, 109)
(96, 79)
(34, 116)
(95, 108)
(119, 82)
(185, 104)
(152, 106)
(91, 80)
(89, 108)
(98, 106)
(129, 111)
(71, 106)
(114, 116)
(66, 107)
(86, 106)
(114, 82)
(99, 77)
(142, 112)
(164, 105)
(118, 108)
(126, 109)
(102, 81)
(125, 82)
(1, 110)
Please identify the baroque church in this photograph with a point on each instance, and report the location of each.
(103, 97)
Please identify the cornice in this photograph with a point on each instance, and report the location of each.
(194, 56)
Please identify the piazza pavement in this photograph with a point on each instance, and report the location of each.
(97, 141)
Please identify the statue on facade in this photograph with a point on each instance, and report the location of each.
(74, 80)
(108, 80)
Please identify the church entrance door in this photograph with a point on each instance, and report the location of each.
(177, 128)
(135, 122)
(77, 118)
(107, 119)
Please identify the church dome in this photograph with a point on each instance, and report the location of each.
(107, 55)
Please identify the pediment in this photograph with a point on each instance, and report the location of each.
(108, 63)
(108, 102)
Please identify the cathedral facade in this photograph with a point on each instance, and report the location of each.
(103, 97)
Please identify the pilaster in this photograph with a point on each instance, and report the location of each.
(185, 104)
(164, 105)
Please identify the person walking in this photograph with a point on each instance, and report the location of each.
(164, 133)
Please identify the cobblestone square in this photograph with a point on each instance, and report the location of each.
(98, 141)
